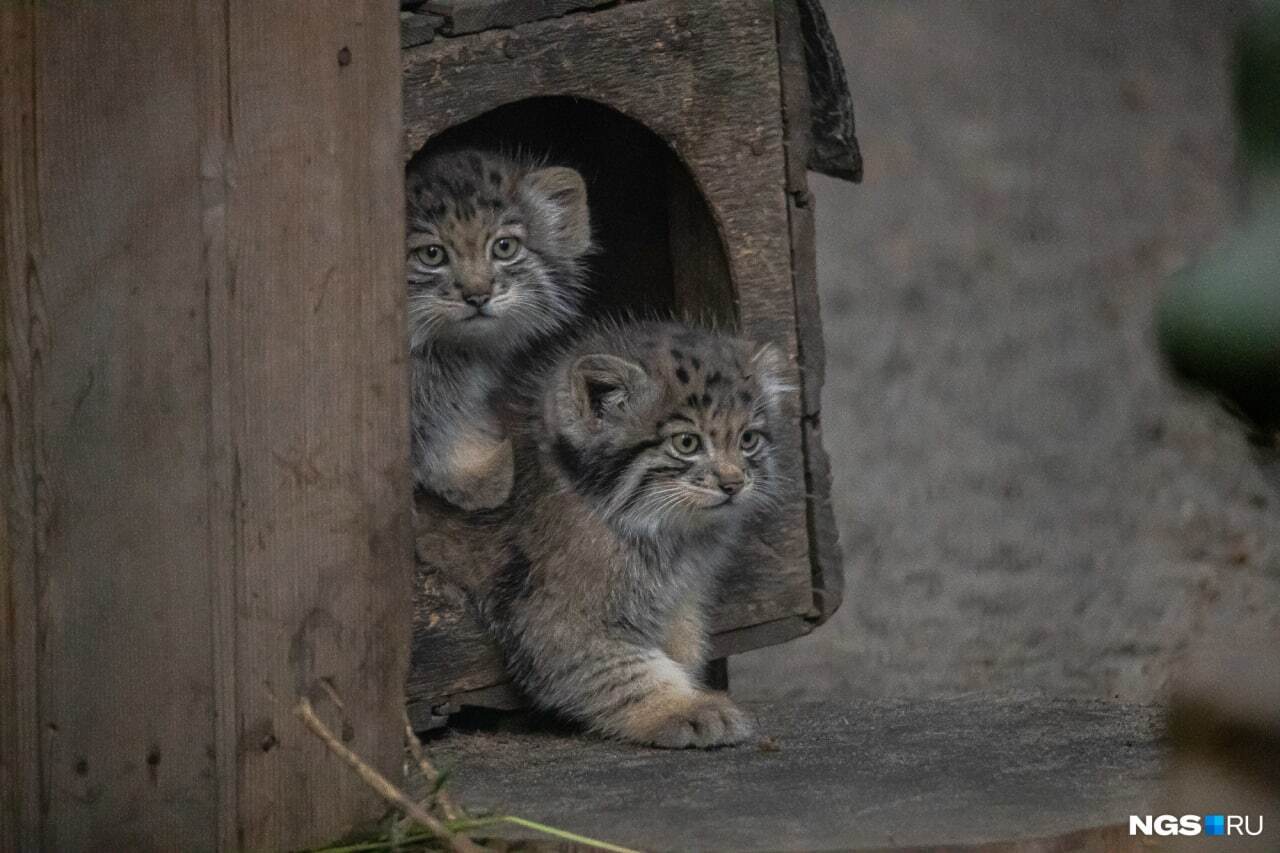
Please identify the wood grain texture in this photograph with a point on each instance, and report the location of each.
(452, 652)
(705, 78)
(214, 118)
(119, 387)
(472, 16)
(834, 150)
(758, 636)
(417, 28)
(826, 558)
(20, 792)
(317, 397)
(203, 499)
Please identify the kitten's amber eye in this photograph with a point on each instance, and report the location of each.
(686, 443)
(433, 255)
(505, 248)
(750, 442)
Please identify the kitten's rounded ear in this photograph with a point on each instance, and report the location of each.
(603, 384)
(413, 184)
(560, 196)
(772, 370)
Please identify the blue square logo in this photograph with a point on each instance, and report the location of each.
(1215, 824)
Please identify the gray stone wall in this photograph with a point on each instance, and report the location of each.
(1024, 498)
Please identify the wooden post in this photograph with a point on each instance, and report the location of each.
(825, 555)
(203, 488)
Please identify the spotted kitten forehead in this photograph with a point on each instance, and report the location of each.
(468, 194)
(645, 376)
(460, 187)
(716, 376)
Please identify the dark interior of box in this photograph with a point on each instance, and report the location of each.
(658, 250)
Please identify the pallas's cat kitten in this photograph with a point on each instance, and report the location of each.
(494, 266)
(647, 449)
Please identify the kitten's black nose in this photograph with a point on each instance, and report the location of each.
(731, 487)
(477, 300)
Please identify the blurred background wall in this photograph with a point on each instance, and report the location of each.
(1025, 499)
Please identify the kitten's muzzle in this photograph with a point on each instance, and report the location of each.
(731, 487)
(477, 307)
(730, 478)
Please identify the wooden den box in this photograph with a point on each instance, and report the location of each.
(693, 122)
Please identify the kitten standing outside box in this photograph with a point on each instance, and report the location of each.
(646, 449)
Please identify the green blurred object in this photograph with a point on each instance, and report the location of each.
(1257, 86)
(1219, 321)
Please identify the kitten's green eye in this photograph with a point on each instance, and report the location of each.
(686, 443)
(433, 255)
(750, 442)
(505, 248)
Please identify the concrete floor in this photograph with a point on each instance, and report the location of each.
(836, 776)
(1024, 498)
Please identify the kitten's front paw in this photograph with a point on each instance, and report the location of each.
(712, 719)
(489, 494)
(482, 477)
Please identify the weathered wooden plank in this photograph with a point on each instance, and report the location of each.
(314, 348)
(826, 558)
(798, 147)
(20, 821)
(834, 149)
(416, 28)
(452, 652)
(203, 498)
(473, 16)
(118, 386)
(213, 116)
(705, 78)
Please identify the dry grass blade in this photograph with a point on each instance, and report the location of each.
(380, 784)
(430, 774)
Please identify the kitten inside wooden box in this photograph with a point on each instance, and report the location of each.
(605, 469)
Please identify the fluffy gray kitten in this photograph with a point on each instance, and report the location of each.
(646, 450)
(494, 265)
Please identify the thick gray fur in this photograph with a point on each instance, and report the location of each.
(616, 533)
(474, 314)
